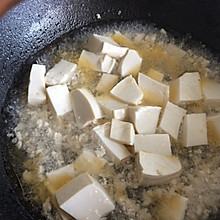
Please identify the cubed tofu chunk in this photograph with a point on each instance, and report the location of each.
(211, 92)
(155, 93)
(105, 45)
(96, 62)
(116, 151)
(36, 88)
(172, 207)
(156, 75)
(58, 178)
(113, 108)
(127, 91)
(155, 169)
(186, 89)
(153, 143)
(59, 97)
(175, 51)
(84, 198)
(194, 130)
(122, 131)
(106, 83)
(130, 64)
(86, 108)
(61, 73)
(171, 119)
(144, 118)
(213, 123)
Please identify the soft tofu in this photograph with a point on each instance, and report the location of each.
(211, 92)
(96, 62)
(175, 51)
(86, 108)
(105, 45)
(156, 75)
(194, 130)
(122, 131)
(59, 97)
(36, 88)
(186, 89)
(116, 151)
(61, 73)
(58, 178)
(106, 83)
(84, 198)
(172, 207)
(153, 143)
(113, 108)
(155, 93)
(127, 91)
(171, 119)
(144, 118)
(213, 123)
(155, 169)
(130, 64)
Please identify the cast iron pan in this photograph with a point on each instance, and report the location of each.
(33, 24)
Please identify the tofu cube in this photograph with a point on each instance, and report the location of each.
(153, 143)
(155, 93)
(213, 124)
(113, 108)
(156, 75)
(186, 89)
(130, 64)
(144, 118)
(106, 83)
(116, 151)
(171, 119)
(123, 132)
(172, 207)
(61, 73)
(127, 91)
(84, 198)
(155, 169)
(96, 62)
(85, 107)
(105, 45)
(36, 88)
(59, 97)
(194, 130)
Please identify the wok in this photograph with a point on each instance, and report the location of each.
(33, 24)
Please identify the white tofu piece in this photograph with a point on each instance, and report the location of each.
(105, 45)
(36, 88)
(61, 73)
(127, 91)
(144, 118)
(84, 198)
(194, 130)
(116, 151)
(153, 143)
(186, 89)
(96, 62)
(155, 93)
(156, 75)
(155, 169)
(59, 97)
(211, 91)
(130, 64)
(122, 131)
(113, 108)
(85, 107)
(171, 119)
(213, 124)
(175, 51)
(58, 178)
(172, 207)
(106, 83)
